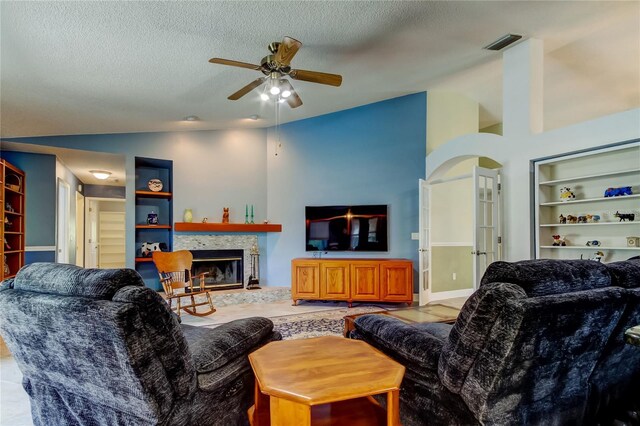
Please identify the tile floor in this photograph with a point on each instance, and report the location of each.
(14, 402)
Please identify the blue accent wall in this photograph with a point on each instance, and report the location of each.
(40, 170)
(39, 256)
(372, 154)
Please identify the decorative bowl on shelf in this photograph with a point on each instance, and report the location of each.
(155, 185)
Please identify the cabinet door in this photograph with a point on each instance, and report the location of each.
(305, 280)
(396, 281)
(334, 280)
(365, 281)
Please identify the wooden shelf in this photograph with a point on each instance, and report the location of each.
(151, 194)
(153, 226)
(6, 188)
(143, 259)
(13, 213)
(226, 227)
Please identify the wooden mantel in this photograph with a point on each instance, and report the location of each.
(226, 227)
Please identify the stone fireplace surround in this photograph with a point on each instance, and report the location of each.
(219, 242)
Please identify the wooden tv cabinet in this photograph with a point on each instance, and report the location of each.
(352, 280)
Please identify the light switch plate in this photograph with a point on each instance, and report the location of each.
(415, 236)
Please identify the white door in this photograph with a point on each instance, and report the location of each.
(79, 229)
(486, 220)
(91, 233)
(424, 253)
(64, 217)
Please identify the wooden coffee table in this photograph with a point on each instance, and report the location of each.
(420, 314)
(324, 381)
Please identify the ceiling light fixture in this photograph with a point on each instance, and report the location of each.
(254, 117)
(285, 93)
(192, 118)
(503, 42)
(100, 174)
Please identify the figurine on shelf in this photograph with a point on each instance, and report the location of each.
(597, 256)
(147, 249)
(6, 245)
(566, 194)
(594, 243)
(225, 215)
(266, 221)
(152, 218)
(9, 208)
(562, 219)
(582, 219)
(571, 219)
(625, 216)
(593, 218)
(558, 240)
(616, 192)
(205, 220)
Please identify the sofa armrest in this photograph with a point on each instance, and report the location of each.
(212, 348)
(414, 348)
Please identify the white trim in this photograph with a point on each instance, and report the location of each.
(451, 294)
(454, 244)
(40, 248)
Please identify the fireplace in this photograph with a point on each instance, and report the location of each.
(225, 268)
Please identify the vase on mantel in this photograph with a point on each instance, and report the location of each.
(188, 215)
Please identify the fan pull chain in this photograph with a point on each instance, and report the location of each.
(278, 144)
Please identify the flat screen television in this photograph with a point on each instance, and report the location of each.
(346, 228)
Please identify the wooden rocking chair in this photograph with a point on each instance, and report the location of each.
(174, 269)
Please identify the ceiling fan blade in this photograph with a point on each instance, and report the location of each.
(317, 77)
(293, 99)
(246, 89)
(234, 63)
(287, 50)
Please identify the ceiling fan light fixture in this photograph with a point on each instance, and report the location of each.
(264, 96)
(100, 174)
(275, 90)
(285, 93)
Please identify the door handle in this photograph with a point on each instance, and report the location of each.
(478, 253)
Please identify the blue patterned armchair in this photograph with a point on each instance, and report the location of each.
(540, 342)
(97, 347)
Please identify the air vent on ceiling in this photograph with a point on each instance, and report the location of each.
(503, 42)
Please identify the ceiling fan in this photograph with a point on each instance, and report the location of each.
(275, 67)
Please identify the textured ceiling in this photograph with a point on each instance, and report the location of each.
(113, 67)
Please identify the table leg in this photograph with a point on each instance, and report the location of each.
(289, 413)
(259, 413)
(393, 408)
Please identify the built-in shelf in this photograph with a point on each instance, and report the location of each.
(153, 226)
(144, 259)
(590, 200)
(589, 177)
(226, 227)
(589, 248)
(553, 225)
(151, 194)
(13, 213)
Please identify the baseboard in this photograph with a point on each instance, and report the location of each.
(451, 294)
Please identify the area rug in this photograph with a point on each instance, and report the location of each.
(314, 324)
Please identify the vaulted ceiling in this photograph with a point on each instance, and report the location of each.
(114, 67)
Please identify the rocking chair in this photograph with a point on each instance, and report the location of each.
(174, 269)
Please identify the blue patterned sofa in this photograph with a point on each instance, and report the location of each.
(540, 342)
(97, 347)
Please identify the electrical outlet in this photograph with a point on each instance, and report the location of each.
(454, 276)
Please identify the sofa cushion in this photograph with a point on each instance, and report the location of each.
(626, 273)
(543, 277)
(214, 348)
(437, 329)
(484, 314)
(71, 280)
